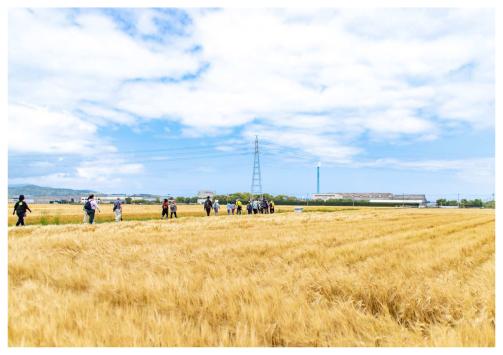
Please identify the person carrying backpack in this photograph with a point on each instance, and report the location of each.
(165, 208)
(265, 206)
(20, 209)
(91, 206)
(208, 205)
(216, 207)
(260, 206)
(118, 210)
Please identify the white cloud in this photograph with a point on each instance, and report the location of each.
(315, 81)
(93, 45)
(306, 144)
(275, 66)
(104, 116)
(435, 165)
(398, 121)
(146, 22)
(36, 129)
(104, 168)
(67, 62)
(477, 171)
(102, 174)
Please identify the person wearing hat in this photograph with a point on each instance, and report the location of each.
(20, 209)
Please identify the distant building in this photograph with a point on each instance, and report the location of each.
(113, 197)
(326, 196)
(14, 200)
(408, 202)
(145, 197)
(411, 199)
(202, 195)
(375, 197)
(104, 198)
(357, 196)
(55, 199)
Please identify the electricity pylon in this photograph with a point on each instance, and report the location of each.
(256, 186)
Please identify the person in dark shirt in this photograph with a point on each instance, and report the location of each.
(20, 209)
(208, 205)
(165, 208)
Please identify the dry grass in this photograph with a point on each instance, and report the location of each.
(70, 214)
(372, 277)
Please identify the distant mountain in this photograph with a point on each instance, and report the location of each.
(34, 190)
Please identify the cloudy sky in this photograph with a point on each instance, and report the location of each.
(169, 101)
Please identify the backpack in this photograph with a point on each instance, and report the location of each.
(87, 205)
(207, 204)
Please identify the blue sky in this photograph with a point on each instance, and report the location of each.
(168, 101)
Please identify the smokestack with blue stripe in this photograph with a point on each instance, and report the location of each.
(318, 178)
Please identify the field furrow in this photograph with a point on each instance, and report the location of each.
(367, 277)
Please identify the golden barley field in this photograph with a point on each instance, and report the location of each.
(362, 277)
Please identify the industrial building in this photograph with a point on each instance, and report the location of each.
(49, 199)
(352, 196)
(104, 198)
(145, 197)
(374, 197)
(112, 197)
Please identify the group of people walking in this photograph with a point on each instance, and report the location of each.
(254, 206)
(169, 208)
(91, 206)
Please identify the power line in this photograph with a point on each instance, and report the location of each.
(206, 151)
(202, 155)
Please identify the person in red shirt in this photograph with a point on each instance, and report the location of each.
(165, 209)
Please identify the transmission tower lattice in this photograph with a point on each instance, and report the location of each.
(256, 186)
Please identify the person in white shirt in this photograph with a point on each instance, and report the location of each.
(216, 207)
(118, 210)
(91, 206)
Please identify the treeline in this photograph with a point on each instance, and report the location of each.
(292, 200)
(284, 200)
(464, 203)
(278, 200)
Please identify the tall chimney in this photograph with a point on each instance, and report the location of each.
(318, 178)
